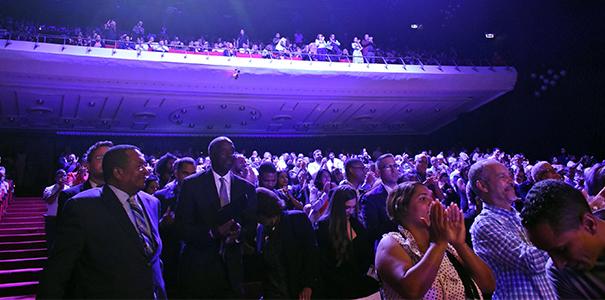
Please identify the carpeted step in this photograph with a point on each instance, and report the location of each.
(21, 224)
(9, 214)
(9, 219)
(21, 237)
(23, 253)
(12, 209)
(22, 263)
(23, 230)
(36, 204)
(18, 289)
(37, 244)
(21, 297)
(20, 275)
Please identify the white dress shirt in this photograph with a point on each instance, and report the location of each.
(217, 182)
(123, 197)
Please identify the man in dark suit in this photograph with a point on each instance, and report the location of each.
(108, 244)
(286, 242)
(93, 159)
(373, 203)
(215, 215)
(168, 197)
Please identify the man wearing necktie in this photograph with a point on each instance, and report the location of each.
(108, 244)
(215, 216)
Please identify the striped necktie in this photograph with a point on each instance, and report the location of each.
(222, 194)
(141, 225)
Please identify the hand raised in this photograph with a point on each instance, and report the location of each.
(455, 225)
(438, 227)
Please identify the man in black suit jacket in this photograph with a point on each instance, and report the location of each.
(103, 247)
(215, 215)
(373, 203)
(286, 242)
(168, 196)
(93, 159)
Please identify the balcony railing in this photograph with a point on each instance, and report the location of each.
(410, 59)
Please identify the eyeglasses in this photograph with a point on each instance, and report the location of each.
(392, 167)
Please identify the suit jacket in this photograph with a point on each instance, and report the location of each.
(68, 193)
(299, 252)
(208, 267)
(168, 197)
(374, 213)
(98, 250)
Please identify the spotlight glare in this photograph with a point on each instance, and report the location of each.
(414, 26)
(489, 35)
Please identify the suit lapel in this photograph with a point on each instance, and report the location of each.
(213, 192)
(116, 210)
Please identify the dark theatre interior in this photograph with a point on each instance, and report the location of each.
(172, 149)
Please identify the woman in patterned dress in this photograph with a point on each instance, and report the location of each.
(428, 258)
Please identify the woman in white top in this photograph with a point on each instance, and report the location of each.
(356, 46)
(322, 50)
(428, 258)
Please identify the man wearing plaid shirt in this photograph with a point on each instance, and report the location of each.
(500, 239)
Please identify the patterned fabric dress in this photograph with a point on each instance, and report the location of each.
(447, 284)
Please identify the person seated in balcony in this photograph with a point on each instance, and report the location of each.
(152, 44)
(368, 50)
(161, 47)
(357, 55)
(176, 43)
(267, 51)
(282, 46)
(229, 49)
(126, 43)
(322, 50)
(141, 46)
(334, 47)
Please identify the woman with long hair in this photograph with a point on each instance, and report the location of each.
(319, 195)
(346, 251)
(428, 257)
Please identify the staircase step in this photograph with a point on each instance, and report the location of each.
(37, 244)
(18, 289)
(21, 237)
(20, 297)
(23, 253)
(21, 224)
(19, 275)
(9, 219)
(20, 214)
(22, 263)
(25, 209)
(23, 230)
(27, 204)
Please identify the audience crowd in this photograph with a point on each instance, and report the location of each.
(361, 49)
(426, 225)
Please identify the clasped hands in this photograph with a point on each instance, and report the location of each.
(446, 225)
(229, 231)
